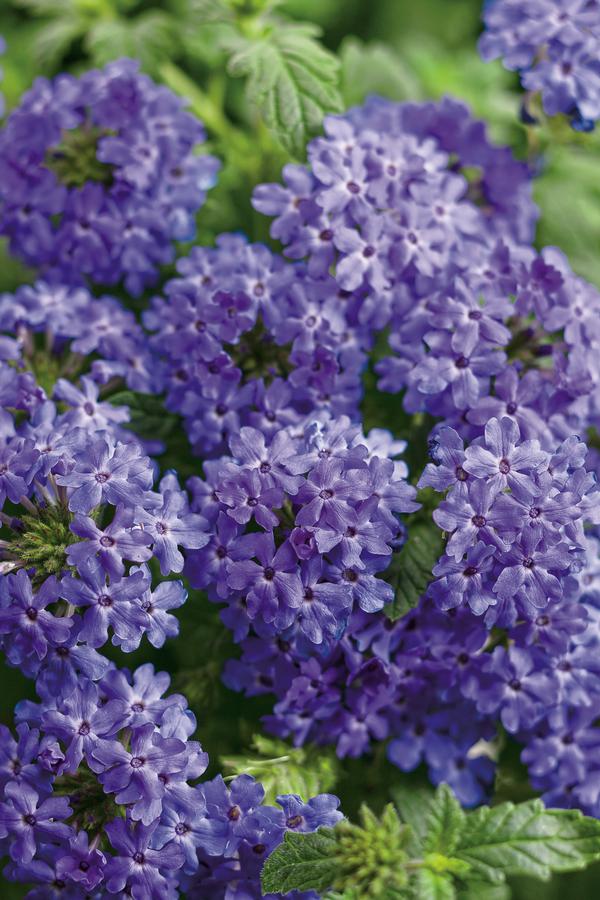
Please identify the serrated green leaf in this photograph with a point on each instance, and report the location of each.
(374, 69)
(283, 769)
(413, 797)
(527, 839)
(149, 37)
(445, 822)
(434, 886)
(411, 569)
(292, 80)
(302, 862)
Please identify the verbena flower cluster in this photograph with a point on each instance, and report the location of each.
(99, 176)
(301, 524)
(555, 46)
(247, 339)
(100, 797)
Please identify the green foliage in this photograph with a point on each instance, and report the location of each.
(441, 854)
(375, 69)
(410, 570)
(301, 862)
(282, 769)
(291, 80)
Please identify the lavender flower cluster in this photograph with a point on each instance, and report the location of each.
(97, 799)
(248, 340)
(300, 526)
(99, 176)
(555, 46)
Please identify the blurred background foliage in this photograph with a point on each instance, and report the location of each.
(400, 49)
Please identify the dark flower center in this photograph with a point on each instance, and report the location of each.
(511, 408)
(107, 541)
(528, 562)
(504, 466)
(325, 494)
(541, 621)
(534, 512)
(104, 600)
(462, 362)
(84, 728)
(269, 573)
(252, 501)
(181, 828)
(259, 849)
(294, 821)
(350, 575)
(137, 707)
(138, 858)
(137, 762)
(84, 866)
(478, 521)
(461, 475)
(234, 813)
(102, 477)
(29, 819)
(515, 684)
(470, 571)
(265, 467)
(31, 613)
(369, 251)
(326, 234)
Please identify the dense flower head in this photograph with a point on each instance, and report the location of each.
(385, 203)
(301, 523)
(514, 516)
(99, 175)
(81, 519)
(554, 45)
(100, 792)
(246, 338)
(55, 332)
(513, 335)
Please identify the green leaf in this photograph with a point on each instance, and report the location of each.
(149, 37)
(374, 69)
(148, 416)
(302, 862)
(287, 770)
(434, 886)
(483, 890)
(413, 797)
(54, 39)
(410, 571)
(445, 822)
(527, 839)
(292, 81)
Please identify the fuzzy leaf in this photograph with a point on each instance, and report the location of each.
(292, 80)
(434, 886)
(303, 862)
(413, 798)
(149, 37)
(374, 69)
(287, 770)
(527, 839)
(410, 571)
(445, 822)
